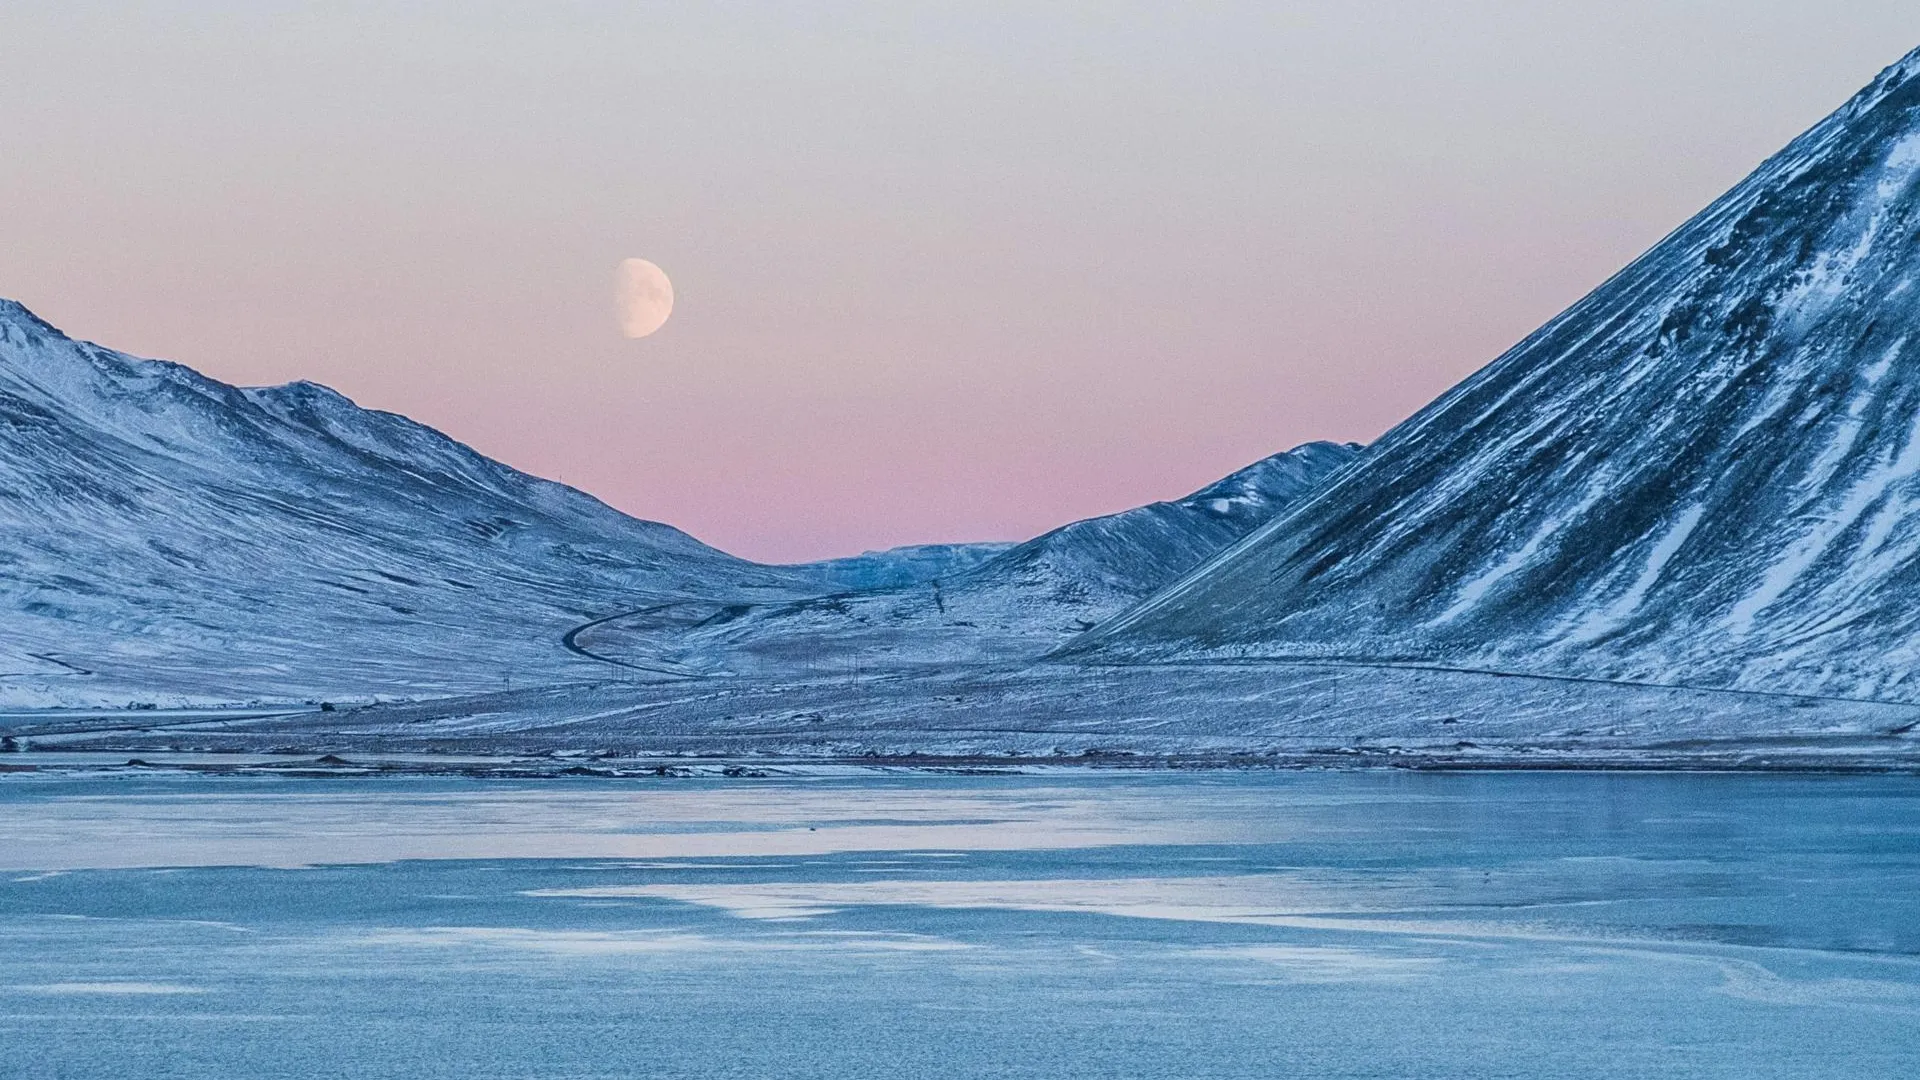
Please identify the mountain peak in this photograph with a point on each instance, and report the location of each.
(14, 314)
(1276, 477)
(303, 394)
(1901, 71)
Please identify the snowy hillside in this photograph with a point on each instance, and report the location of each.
(1012, 607)
(1706, 472)
(901, 567)
(1103, 564)
(167, 537)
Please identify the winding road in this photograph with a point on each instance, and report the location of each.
(571, 642)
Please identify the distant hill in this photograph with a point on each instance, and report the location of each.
(1012, 607)
(897, 568)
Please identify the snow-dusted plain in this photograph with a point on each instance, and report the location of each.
(993, 717)
(1677, 527)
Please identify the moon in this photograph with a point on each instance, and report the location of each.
(644, 297)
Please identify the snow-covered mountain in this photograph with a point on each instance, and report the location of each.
(167, 538)
(164, 536)
(901, 567)
(1011, 607)
(1103, 564)
(1706, 472)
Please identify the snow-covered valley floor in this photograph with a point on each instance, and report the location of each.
(1271, 714)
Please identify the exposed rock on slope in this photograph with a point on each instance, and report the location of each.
(1706, 472)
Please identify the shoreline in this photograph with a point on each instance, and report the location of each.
(342, 762)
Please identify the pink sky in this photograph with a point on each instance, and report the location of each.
(943, 272)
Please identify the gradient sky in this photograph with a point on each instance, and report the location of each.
(944, 271)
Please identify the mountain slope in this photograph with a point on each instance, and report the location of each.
(1012, 607)
(901, 567)
(1706, 472)
(169, 537)
(1104, 563)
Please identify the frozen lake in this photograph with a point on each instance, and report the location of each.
(1075, 925)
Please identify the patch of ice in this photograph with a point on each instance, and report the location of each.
(602, 943)
(109, 987)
